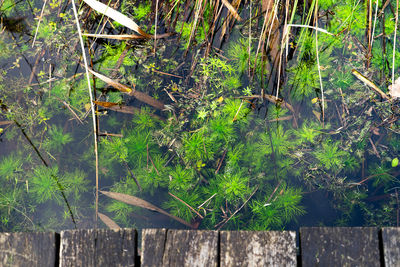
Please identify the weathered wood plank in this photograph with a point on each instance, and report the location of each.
(179, 248)
(191, 248)
(153, 245)
(247, 248)
(28, 249)
(101, 247)
(339, 246)
(391, 246)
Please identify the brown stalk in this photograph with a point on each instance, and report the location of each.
(35, 66)
(132, 175)
(151, 160)
(186, 204)
(220, 161)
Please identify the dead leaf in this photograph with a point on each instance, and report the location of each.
(317, 114)
(115, 15)
(108, 221)
(115, 37)
(138, 202)
(123, 109)
(394, 89)
(5, 122)
(130, 91)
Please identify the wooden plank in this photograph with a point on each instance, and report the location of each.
(101, 247)
(247, 248)
(341, 246)
(191, 248)
(391, 246)
(28, 249)
(162, 247)
(152, 248)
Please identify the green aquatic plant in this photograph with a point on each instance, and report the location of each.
(76, 183)
(239, 52)
(381, 174)
(197, 147)
(139, 144)
(277, 208)
(178, 208)
(331, 156)
(232, 82)
(10, 165)
(308, 132)
(142, 10)
(181, 179)
(116, 148)
(278, 141)
(43, 184)
(236, 110)
(304, 80)
(234, 186)
(144, 120)
(221, 130)
(57, 139)
(155, 175)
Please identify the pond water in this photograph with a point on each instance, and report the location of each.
(226, 121)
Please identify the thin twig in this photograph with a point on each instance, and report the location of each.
(207, 200)
(39, 20)
(186, 204)
(236, 211)
(133, 176)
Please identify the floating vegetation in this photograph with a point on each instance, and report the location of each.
(222, 117)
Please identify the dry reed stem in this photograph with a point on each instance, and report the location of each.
(318, 65)
(91, 108)
(394, 39)
(39, 20)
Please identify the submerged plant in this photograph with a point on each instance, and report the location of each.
(278, 210)
(9, 166)
(181, 179)
(178, 208)
(57, 139)
(43, 184)
(331, 156)
(76, 183)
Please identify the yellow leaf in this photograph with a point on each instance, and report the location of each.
(220, 99)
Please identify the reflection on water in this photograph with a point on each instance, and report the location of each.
(225, 152)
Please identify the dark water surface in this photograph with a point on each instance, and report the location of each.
(303, 171)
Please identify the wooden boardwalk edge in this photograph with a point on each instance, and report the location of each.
(319, 246)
